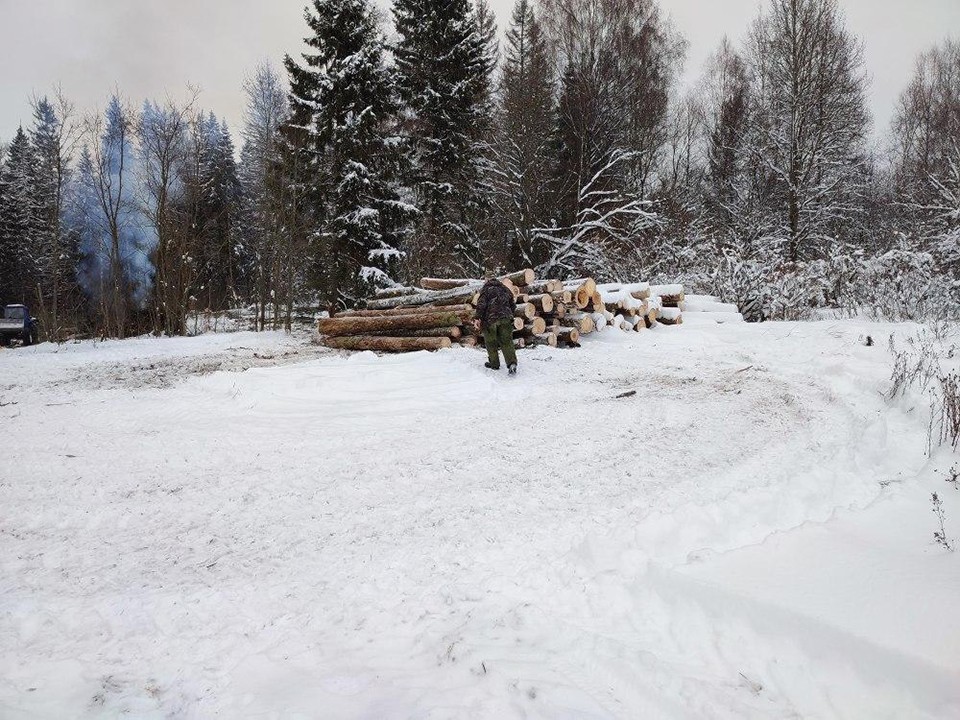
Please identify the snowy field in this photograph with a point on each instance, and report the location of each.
(247, 526)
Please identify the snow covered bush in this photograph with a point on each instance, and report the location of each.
(900, 285)
(930, 363)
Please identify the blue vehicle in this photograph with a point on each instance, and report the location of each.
(16, 324)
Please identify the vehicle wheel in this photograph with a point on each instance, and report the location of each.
(27, 339)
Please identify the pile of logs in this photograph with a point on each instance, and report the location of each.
(439, 313)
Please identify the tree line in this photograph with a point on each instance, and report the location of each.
(568, 146)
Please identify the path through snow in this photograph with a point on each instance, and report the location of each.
(414, 536)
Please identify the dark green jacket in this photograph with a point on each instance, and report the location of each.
(496, 303)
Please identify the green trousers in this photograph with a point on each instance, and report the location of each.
(499, 338)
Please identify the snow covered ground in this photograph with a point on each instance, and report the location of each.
(247, 526)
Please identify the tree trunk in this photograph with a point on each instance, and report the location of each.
(397, 292)
(360, 325)
(463, 294)
(387, 344)
(419, 310)
(454, 332)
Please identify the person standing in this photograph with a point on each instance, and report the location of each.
(494, 318)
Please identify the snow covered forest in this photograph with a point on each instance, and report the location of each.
(427, 141)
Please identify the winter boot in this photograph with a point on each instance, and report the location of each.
(512, 369)
(488, 366)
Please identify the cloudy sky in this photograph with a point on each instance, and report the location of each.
(154, 49)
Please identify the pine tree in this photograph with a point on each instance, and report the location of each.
(444, 65)
(810, 122)
(344, 97)
(213, 207)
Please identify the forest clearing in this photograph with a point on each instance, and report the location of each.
(702, 521)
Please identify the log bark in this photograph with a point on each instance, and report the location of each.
(463, 295)
(397, 292)
(519, 278)
(454, 332)
(543, 286)
(448, 283)
(418, 310)
(387, 344)
(349, 326)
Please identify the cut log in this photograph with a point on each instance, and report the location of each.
(387, 344)
(418, 310)
(582, 290)
(543, 339)
(559, 310)
(527, 311)
(539, 287)
(651, 318)
(463, 295)
(589, 283)
(448, 283)
(537, 326)
(453, 332)
(521, 277)
(397, 292)
(469, 341)
(581, 321)
(519, 323)
(511, 287)
(520, 343)
(599, 321)
(348, 326)
(568, 336)
(670, 316)
(543, 302)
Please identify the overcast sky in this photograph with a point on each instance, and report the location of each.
(151, 49)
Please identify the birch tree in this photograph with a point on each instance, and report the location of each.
(810, 121)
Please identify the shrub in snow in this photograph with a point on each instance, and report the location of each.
(940, 536)
(929, 362)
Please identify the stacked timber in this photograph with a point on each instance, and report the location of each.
(439, 313)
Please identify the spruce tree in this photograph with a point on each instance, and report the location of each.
(53, 137)
(21, 229)
(444, 63)
(343, 98)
